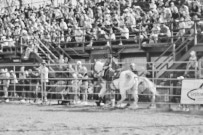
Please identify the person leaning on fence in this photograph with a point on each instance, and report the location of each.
(44, 71)
(34, 83)
(84, 85)
(6, 82)
(13, 82)
(21, 87)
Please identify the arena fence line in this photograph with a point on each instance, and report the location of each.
(71, 89)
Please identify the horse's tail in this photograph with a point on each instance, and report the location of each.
(150, 85)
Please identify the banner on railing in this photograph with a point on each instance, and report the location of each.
(192, 92)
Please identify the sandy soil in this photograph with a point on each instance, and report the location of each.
(26, 119)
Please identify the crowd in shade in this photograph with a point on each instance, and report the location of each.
(108, 20)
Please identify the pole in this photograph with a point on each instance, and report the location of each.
(195, 33)
(140, 30)
(14, 84)
(174, 52)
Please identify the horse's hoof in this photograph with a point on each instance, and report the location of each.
(97, 103)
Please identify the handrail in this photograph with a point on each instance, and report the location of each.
(171, 46)
(180, 46)
(64, 52)
(46, 48)
(184, 45)
(161, 64)
(45, 54)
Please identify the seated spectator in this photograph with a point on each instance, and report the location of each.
(143, 35)
(181, 28)
(184, 10)
(3, 43)
(29, 49)
(79, 34)
(154, 34)
(174, 11)
(63, 25)
(124, 33)
(11, 42)
(195, 9)
(165, 33)
(101, 34)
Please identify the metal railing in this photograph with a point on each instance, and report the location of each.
(73, 89)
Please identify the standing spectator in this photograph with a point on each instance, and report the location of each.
(84, 86)
(34, 83)
(44, 71)
(61, 61)
(192, 63)
(22, 78)
(174, 11)
(14, 81)
(5, 75)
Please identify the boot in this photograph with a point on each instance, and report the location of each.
(99, 102)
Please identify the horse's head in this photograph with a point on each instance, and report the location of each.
(98, 68)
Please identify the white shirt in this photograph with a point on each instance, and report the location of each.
(44, 71)
(63, 26)
(125, 32)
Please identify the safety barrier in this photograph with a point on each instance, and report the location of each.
(28, 85)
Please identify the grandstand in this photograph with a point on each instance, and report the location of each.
(158, 33)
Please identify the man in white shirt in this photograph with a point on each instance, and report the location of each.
(44, 71)
(124, 33)
(63, 25)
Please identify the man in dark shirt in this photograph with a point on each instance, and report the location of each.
(110, 68)
(34, 83)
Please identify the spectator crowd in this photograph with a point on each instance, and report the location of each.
(81, 21)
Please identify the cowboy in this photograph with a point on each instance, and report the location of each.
(110, 73)
(110, 68)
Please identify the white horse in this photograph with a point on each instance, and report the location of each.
(127, 82)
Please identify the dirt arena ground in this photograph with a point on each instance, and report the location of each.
(27, 119)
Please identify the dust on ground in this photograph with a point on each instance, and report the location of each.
(27, 119)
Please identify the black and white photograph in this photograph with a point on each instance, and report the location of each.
(101, 67)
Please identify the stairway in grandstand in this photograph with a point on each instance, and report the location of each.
(179, 51)
(45, 53)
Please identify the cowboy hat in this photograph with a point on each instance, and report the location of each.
(43, 62)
